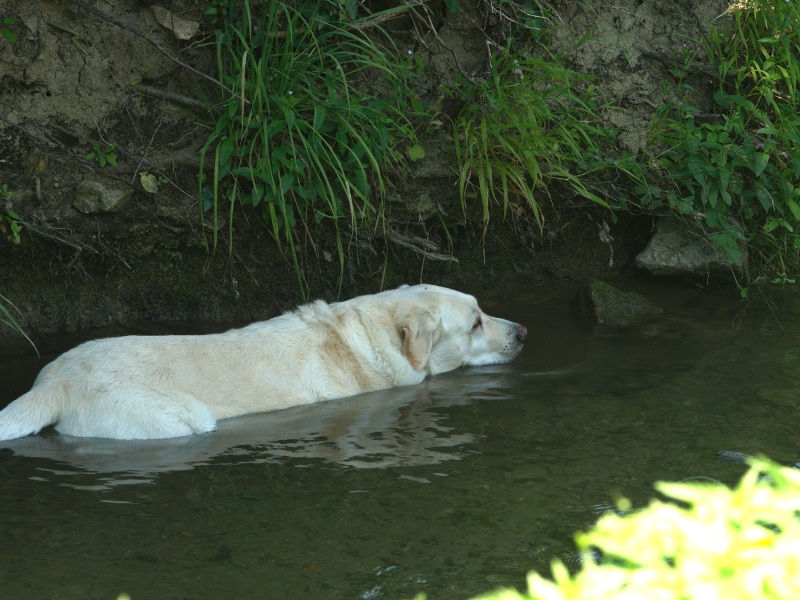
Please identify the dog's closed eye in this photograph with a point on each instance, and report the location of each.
(477, 325)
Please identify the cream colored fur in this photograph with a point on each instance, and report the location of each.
(144, 387)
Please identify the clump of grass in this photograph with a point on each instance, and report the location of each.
(523, 129)
(318, 122)
(7, 319)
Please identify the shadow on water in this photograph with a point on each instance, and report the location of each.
(452, 487)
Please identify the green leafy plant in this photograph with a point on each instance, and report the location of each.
(523, 129)
(9, 36)
(709, 541)
(9, 220)
(10, 226)
(317, 124)
(743, 161)
(217, 11)
(103, 155)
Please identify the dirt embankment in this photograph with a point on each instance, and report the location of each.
(97, 248)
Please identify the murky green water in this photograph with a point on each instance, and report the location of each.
(453, 487)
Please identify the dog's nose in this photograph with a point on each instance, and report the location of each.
(522, 331)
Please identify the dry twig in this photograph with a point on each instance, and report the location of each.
(171, 96)
(419, 245)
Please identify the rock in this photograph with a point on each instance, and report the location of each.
(600, 303)
(732, 456)
(183, 29)
(675, 250)
(92, 197)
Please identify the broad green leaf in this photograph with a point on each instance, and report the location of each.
(764, 197)
(761, 160)
(729, 245)
(794, 208)
(724, 176)
(226, 147)
(274, 127)
(319, 117)
(350, 7)
(696, 169)
(287, 181)
(416, 152)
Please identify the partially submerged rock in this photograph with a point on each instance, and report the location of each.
(676, 250)
(600, 303)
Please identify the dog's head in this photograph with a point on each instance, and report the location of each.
(442, 329)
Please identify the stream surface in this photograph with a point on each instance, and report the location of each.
(453, 487)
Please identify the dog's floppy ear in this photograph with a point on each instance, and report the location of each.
(419, 331)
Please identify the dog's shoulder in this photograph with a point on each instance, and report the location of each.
(314, 312)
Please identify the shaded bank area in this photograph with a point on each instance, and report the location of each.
(124, 275)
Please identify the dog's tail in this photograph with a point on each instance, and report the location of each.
(28, 414)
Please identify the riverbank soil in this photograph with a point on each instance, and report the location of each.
(102, 118)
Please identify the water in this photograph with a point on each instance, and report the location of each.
(453, 487)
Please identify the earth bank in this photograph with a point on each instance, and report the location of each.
(81, 75)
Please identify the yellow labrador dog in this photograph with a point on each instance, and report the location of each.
(144, 387)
